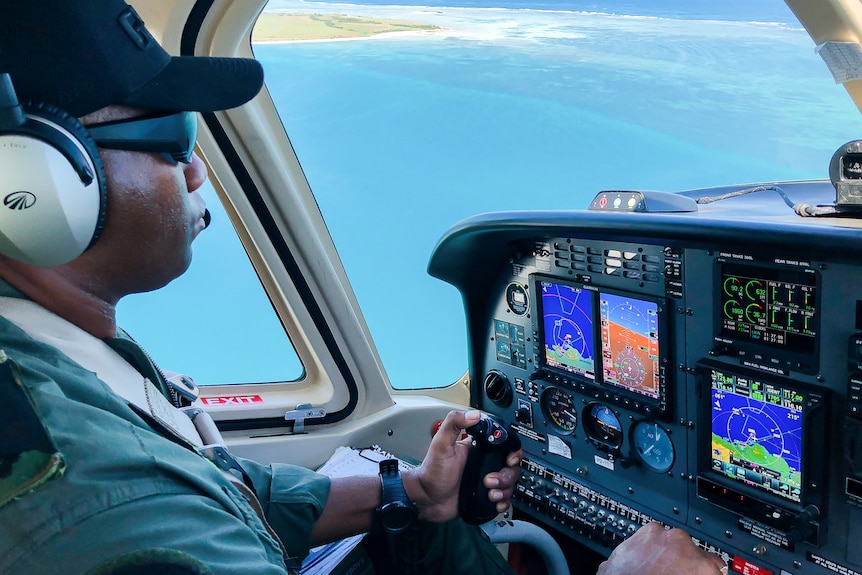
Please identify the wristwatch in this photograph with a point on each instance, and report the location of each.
(396, 512)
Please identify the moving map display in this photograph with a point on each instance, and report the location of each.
(630, 344)
(757, 434)
(567, 328)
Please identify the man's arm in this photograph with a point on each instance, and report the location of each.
(434, 485)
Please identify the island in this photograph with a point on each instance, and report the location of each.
(278, 27)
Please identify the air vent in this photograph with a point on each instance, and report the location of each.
(498, 389)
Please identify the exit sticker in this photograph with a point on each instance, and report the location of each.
(232, 400)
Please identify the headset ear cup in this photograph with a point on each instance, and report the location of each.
(82, 136)
(53, 195)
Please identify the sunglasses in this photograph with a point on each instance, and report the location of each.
(174, 134)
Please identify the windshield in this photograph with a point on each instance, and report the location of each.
(506, 105)
(409, 118)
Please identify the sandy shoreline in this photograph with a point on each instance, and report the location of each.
(382, 35)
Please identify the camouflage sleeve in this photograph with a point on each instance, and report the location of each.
(293, 498)
(28, 456)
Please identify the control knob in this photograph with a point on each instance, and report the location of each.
(523, 415)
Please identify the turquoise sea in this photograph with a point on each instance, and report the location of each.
(526, 105)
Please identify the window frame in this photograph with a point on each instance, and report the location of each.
(258, 178)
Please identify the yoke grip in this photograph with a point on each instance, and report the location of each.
(494, 440)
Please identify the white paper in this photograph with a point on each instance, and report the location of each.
(559, 447)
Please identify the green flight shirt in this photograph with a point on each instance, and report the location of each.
(126, 488)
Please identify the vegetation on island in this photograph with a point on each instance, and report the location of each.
(276, 27)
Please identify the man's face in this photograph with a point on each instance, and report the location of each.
(153, 214)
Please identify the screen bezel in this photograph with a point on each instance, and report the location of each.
(770, 355)
(610, 391)
(813, 425)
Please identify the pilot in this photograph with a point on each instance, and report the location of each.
(99, 470)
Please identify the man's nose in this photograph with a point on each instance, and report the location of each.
(195, 173)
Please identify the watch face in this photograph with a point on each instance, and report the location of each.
(397, 516)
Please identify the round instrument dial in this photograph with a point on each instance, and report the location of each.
(559, 407)
(602, 425)
(516, 298)
(653, 446)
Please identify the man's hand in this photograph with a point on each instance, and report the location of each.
(654, 550)
(435, 484)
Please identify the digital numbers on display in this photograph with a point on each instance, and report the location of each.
(771, 308)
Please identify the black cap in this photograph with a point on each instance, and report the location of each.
(83, 55)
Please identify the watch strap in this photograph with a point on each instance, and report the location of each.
(403, 539)
(390, 480)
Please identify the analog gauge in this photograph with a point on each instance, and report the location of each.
(652, 445)
(558, 406)
(602, 425)
(516, 297)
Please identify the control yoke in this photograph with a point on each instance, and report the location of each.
(493, 440)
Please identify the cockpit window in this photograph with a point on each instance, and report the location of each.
(215, 322)
(409, 118)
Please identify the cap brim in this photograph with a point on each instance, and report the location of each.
(198, 84)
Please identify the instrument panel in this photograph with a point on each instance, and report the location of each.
(701, 369)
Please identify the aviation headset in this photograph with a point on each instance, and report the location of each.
(52, 184)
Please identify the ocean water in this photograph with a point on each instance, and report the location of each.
(740, 10)
(515, 105)
(514, 108)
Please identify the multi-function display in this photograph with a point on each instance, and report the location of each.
(567, 328)
(757, 433)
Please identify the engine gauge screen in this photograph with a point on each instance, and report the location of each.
(558, 406)
(772, 307)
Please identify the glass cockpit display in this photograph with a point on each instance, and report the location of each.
(630, 345)
(602, 337)
(757, 433)
(567, 328)
(776, 308)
